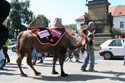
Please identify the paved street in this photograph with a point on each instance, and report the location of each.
(109, 71)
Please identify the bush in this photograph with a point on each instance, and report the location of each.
(116, 31)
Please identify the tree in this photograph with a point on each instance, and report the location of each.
(116, 31)
(73, 26)
(45, 20)
(20, 16)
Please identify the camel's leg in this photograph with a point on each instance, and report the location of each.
(19, 61)
(54, 62)
(29, 62)
(61, 61)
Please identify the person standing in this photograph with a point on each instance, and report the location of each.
(5, 50)
(2, 58)
(34, 56)
(124, 51)
(90, 54)
(4, 12)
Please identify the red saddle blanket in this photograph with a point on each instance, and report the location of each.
(48, 35)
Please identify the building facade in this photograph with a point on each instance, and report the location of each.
(118, 17)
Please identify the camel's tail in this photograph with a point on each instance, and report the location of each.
(18, 41)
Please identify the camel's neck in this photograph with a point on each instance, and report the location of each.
(75, 42)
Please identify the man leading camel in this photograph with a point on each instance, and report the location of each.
(90, 54)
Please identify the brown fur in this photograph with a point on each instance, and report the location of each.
(26, 41)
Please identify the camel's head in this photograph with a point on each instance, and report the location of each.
(87, 35)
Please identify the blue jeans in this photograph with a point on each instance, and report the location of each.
(89, 56)
(34, 54)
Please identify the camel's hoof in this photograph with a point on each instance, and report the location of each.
(38, 73)
(23, 75)
(55, 73)
(64, 75)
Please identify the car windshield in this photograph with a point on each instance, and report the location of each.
(115, 43)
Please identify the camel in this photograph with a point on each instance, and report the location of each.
(26, 41)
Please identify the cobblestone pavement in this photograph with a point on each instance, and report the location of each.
(109, 71)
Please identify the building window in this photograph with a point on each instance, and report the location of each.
(121, 24)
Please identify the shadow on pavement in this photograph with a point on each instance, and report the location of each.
(76, 77)
(5, 73)
(117, 74)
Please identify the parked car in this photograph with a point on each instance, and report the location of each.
(13, 48)
(12, 41)
(112, 48)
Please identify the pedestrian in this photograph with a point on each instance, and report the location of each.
(4, 12)
(40, 56)
(90, 55)
(34, 56)
(71, 54)
(2, 58)
(124, 51)
(5, 50)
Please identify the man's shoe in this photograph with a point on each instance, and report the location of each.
(8, 62)
(93, 71)
(1, 68)
(40, 62)
(34, 63)
(84, 70)
(77, 61)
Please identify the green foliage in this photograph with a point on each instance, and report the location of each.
(45, 20)
(116, 31)
(73, 26)
(20, 15)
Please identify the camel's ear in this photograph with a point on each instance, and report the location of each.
(57, 24)
(36, 23)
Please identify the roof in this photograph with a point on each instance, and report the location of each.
(117, 10)
(80, 18)
(70, 31)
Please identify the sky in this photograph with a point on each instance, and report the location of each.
(67, 10)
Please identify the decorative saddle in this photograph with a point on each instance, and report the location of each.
(48, 35)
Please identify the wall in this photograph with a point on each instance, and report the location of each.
(79, 24)
(117, 20)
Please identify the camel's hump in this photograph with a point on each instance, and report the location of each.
(57, 24)
(37, 22)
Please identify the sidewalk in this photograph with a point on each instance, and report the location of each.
(109, 71)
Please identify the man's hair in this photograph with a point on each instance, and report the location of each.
(90, 23)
